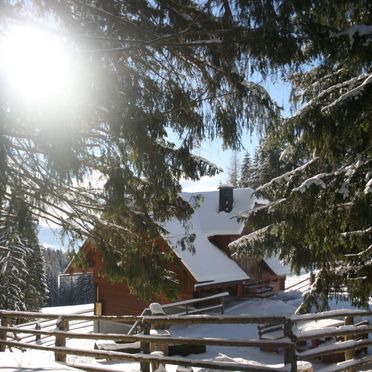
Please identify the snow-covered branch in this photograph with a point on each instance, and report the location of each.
(262, 92)
(356, 278)
(286, 176)
(368, 188)
(347, 234)
(317, 83)
(354, 88)
(359, 254)
(202, 42)
(261, 207)
(205, 161)
(351, 94)
(316, 180)
(257, 236)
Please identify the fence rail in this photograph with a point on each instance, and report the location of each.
(348, 338)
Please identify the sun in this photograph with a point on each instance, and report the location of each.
(35, 65)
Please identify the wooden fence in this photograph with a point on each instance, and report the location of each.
(347, 332)
(293, 336)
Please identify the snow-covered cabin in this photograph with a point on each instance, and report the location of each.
(206, 269)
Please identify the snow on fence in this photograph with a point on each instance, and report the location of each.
(297, 329)
(335, 332)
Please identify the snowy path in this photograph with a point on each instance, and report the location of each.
(28, 362)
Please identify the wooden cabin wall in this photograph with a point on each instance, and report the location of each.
(117, 299)
(250, 266)
(186, 280)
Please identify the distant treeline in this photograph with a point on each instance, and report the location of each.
(65, 290)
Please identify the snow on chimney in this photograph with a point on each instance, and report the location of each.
(226, 198)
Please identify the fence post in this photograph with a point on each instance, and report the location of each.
(145, 347)
(38, 327)
(62, 325)
(349, 354)
(5, 321)
(290, 352)
(364, 335)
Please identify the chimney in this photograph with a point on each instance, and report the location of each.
(226, 198)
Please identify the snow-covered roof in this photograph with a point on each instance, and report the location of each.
(208, 264)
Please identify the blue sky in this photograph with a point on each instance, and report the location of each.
(280, 92)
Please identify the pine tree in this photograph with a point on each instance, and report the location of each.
(22, 277)
(53, 291)
(55, 261)
(269, 163)
(319, 215)
(36, 288)
(66, 291)
(255, 178)
(234, 170)
(84, 289)
(13, 273)
(249, 176)
(245, 170)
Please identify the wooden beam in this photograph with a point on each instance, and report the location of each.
(332, 332)
(333, 348)
(330, 314)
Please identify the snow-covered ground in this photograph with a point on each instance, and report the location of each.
(30, 361)
(284, 303)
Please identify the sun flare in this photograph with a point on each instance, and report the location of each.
(35, 65)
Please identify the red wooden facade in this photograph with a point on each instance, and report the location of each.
(116, 299)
